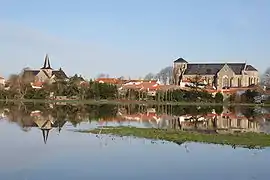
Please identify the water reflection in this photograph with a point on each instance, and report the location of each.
(79, 156)
(206, 119)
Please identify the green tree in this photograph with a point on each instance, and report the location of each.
(178, 95)
(218, 97)
(249, 95)
(59, 88)
(219, 109)
(36, 94)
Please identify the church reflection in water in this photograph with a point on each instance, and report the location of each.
(207, 120)
(46, 123)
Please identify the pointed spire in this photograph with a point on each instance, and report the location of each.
(45, 134)
(48, 63)
(45, 61)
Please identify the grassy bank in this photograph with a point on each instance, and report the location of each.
(247, 140)
(116, 102)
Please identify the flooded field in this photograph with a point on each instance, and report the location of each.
(41, 141)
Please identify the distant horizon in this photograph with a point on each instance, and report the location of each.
(136, 77)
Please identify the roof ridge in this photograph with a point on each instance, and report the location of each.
(219, 63)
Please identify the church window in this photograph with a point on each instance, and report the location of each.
(239, 82)
(231, 82)
(225, 81)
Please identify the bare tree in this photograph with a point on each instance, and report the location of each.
(20, 84)
(265, 80)
(165, 74)
(149, 76)
(103, 75)
(196, 81)
(121, 78)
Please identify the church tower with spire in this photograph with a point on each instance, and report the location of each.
(45, 73)
(47, 66)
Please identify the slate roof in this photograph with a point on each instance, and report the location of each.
(250, 68)
(212, 69)
(30, 73)
(59, 74)
(180, 60)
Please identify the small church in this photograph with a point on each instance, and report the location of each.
(45, 73)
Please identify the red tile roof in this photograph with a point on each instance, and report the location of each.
(108, 80)
(141, 86)
(37, 84)
(138, 80)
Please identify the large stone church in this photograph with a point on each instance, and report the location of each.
(45, 73)
(216, 75)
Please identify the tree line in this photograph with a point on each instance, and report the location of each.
(75, 114)
(19, 87)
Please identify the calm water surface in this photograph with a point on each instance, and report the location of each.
(24, 155)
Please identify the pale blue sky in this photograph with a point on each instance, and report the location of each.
(132, 37)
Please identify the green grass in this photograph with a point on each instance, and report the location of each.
(116, 102)
(247, 140)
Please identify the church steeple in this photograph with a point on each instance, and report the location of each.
(47, 64)
(45, 134)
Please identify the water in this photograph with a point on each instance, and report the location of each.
(26, 153)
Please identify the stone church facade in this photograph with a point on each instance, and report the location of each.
(216, 75)
(45, 73)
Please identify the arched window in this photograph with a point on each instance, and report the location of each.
(239, 82)
(231, 82)
(225, 81)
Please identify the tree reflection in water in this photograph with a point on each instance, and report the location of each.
(206, 119)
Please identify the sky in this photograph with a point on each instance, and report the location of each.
(131, 37)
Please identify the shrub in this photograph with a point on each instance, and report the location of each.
(218, 98)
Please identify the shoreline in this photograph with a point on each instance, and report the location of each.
(250, 140)
(127, 102)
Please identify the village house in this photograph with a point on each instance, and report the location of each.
(45, 73)
(215, 75)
